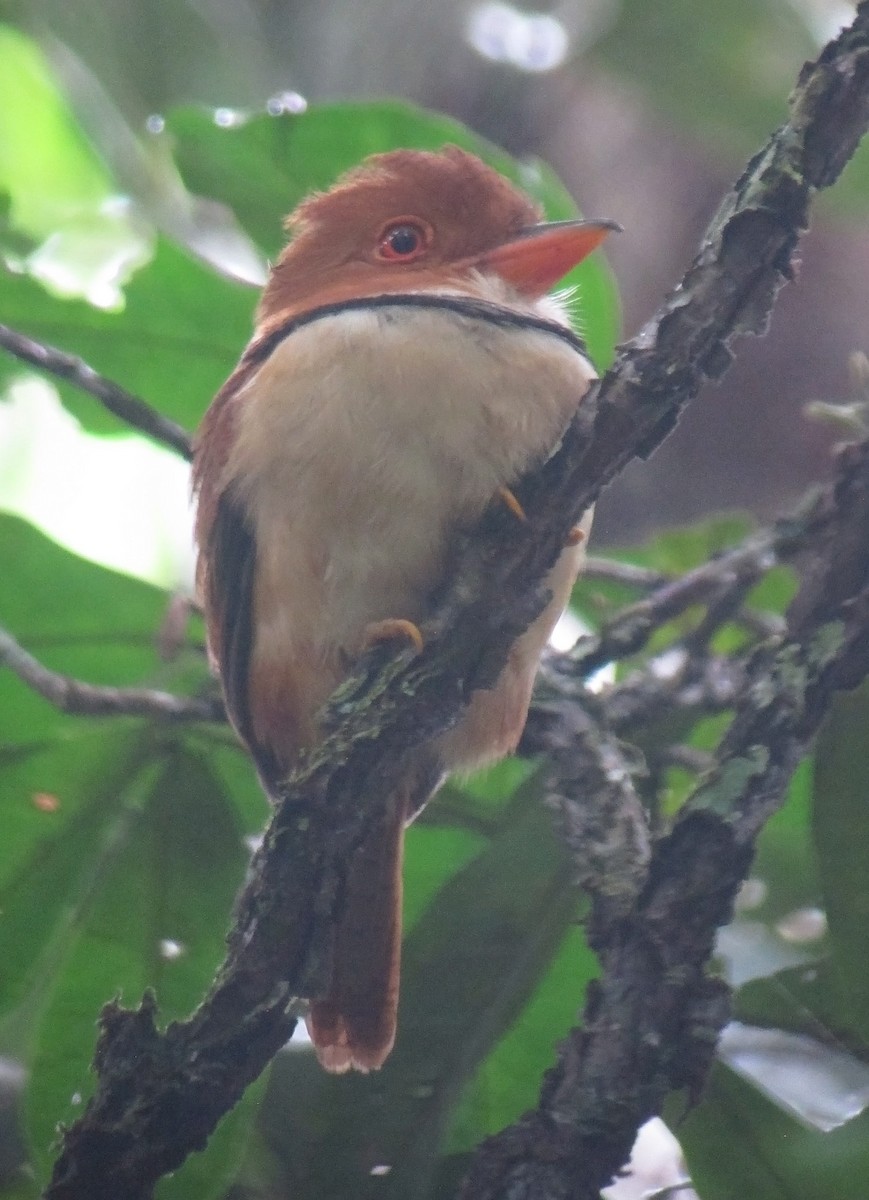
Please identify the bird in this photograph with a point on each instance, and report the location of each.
(407, 366)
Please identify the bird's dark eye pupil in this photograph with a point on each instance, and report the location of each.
(403, 240)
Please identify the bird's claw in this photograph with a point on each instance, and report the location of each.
(507, 497)
(393, 628)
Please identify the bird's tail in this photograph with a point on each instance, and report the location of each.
(354, 1025)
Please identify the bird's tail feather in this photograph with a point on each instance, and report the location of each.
(354, 1025)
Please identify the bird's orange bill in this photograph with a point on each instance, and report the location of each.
(539, 256)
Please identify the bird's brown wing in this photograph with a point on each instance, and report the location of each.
(226, 567)
(228, 585)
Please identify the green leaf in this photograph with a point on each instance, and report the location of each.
(841, 831)
(52, 855)
(59, 774)
(508, 1082)
(63, 224)
(47, 167)
(785, 858)
(76, 617)
(209, 1173)
(683, 548)
(167, 345)
(736, 63)
(20, 1188)
(805, 999)
(738, 1143)
(123, 844)
(162, 886)
(486, 939)
(765, 935)
(432, 856)
(775, 591)
(234, 770)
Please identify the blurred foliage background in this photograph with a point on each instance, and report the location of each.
(147, 150)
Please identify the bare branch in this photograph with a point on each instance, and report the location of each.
(85, 699)
(724, 580)
(631, 628)
(117, 400)
(646, 699)
(613, 570)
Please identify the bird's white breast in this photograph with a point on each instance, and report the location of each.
(365, 438)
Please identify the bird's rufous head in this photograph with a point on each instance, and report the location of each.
(413, 220)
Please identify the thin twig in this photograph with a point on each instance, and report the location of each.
(610, 570)
(117, 400)
(86, 699)
(689, 758)
(613, 570)
(630, 629)
(647, 700)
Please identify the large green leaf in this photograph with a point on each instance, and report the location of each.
(806, 999)
(702, 62)
(162, 888)
(60, 808)
(76, 617)
(785, 858)
(841, 828)
(738, 1143)
(122, 845)
(47, 167)
(59, 774)
(508, 1082)
(207, 1174)
(60, 217)
(173, 344)
(777, 925)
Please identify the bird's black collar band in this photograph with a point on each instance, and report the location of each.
(476, 310)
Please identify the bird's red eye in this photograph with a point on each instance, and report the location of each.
(402, 241)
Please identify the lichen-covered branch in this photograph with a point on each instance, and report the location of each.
(159, 1094)
(651, 1022)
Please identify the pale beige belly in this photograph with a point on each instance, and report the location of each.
(355, 481)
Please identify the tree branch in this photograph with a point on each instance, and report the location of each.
(651, 1023)
(112, 396)
(629, 574)
(133, 1129)
(86, 699)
